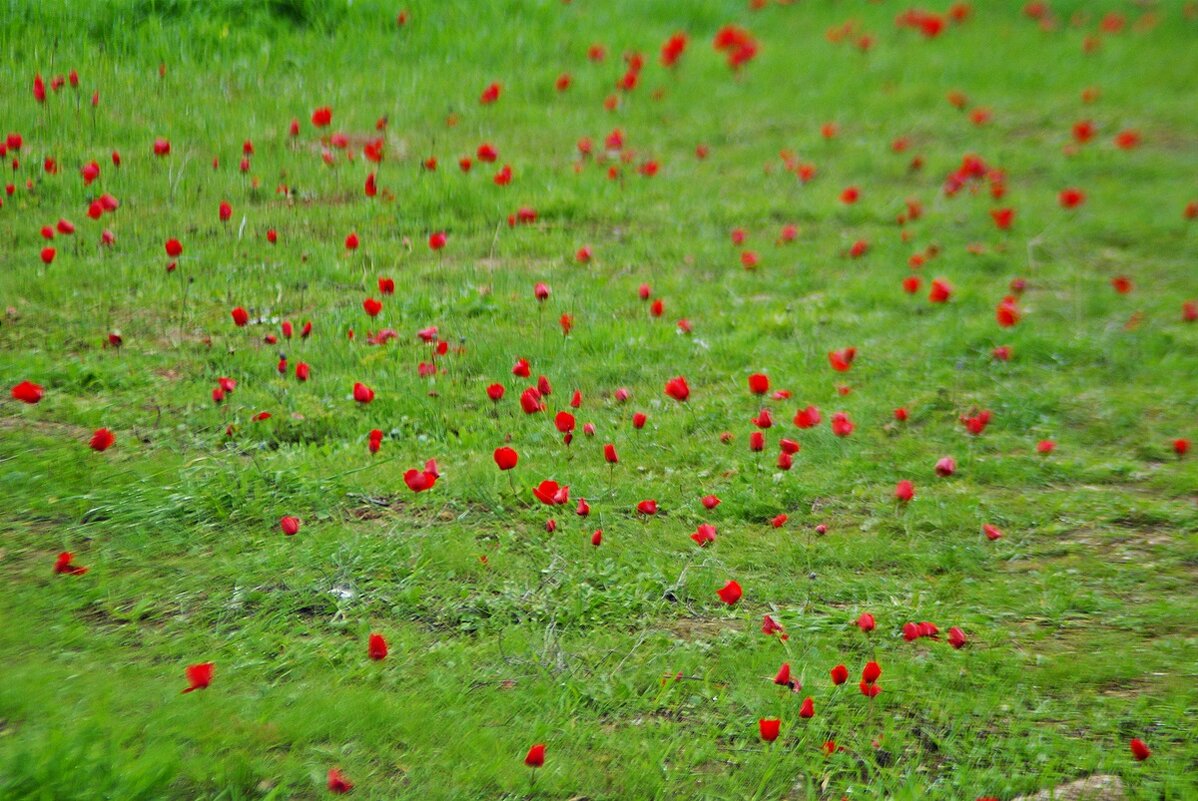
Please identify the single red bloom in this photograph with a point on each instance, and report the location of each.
(28, 392)
(199, 677)
(730, 593)
(506, 458)
(63, 565)
(1139, 750)
(338, 784)
(376, 647)
(535, 757)
(102, 440)
(678, 389)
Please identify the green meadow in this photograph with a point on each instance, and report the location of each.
(619, 657)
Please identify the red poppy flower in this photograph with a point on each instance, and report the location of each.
(957, 638)
(1003, 218)
(102, 440)
(546, 492)
(1139, 750)
(420, 480)
(678, 389)
(842, 426)
(536, 756)
(289, 525)
(47, 255)
(1127, 140)
(871, 672)
(992, 532)
(376, 647)
(941, 291)
(490, 94)
(63, 565)
(437, 240)
(647, 507)
(769, 728)
(530, 401)
(1072, 198)
(199, 677)
(337, 782)
(807, 418)
(730, 593)
(842, 360)
(904, 491)
(1007, 313)
(840, 674)
(506, 458)
(322, 117)
(362, 393)
(372, 306)
(27, 392)
(704, 535)
(807, 709)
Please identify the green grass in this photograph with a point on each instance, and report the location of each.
(1081, 619)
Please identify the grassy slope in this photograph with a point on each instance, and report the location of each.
(1081, 617)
